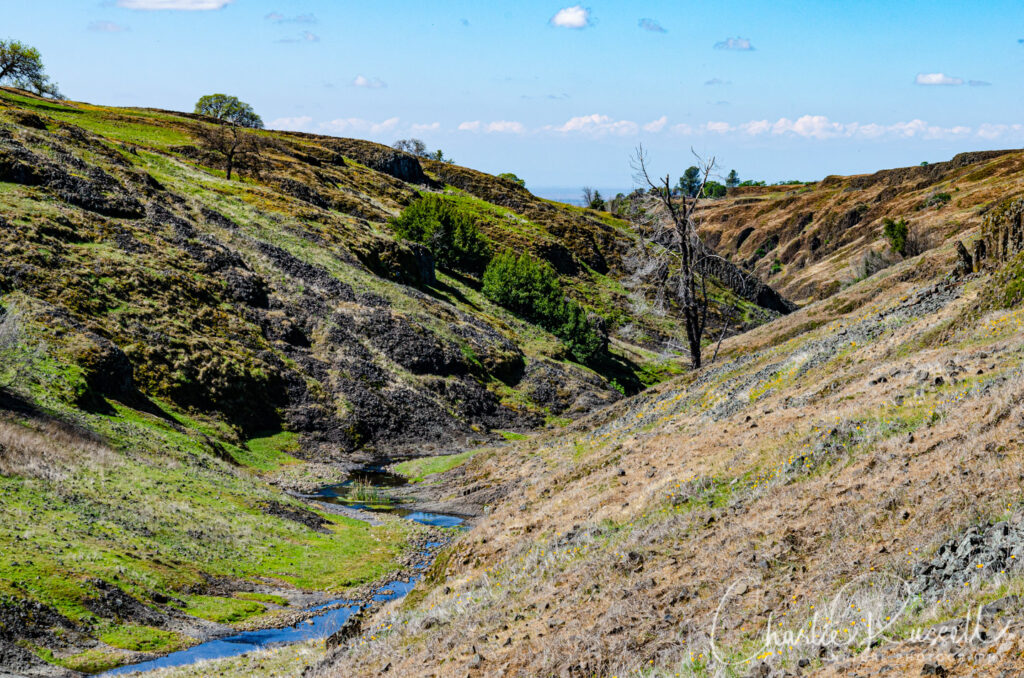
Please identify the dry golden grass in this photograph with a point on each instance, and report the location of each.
(587, 567)
(46, 448)
(814, 273)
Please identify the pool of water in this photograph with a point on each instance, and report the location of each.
(377, 477)
(327, 623)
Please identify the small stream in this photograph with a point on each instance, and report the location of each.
(325, 624)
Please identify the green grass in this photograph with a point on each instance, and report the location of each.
(270, 452)
(145, 639)
(512, 435)
(90, 661)
(186, 522)
(263, 598)
(418, 470)
(222, 610)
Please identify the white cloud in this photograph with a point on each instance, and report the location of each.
(937, 79)
(498, 126)
(182, 5)
(425, 127)
(576, 16)
(597, 125)
(718, 127)
(506, 127)
(755, 127)
(820, 127)
(738, 44)
(368, 83)
(991, 131)
(107, 27)
(651, 25)
(809, 126)
(345, 125)
(297, 124)
(656, 125)
(682, 128)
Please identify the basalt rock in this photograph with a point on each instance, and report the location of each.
(405, 262)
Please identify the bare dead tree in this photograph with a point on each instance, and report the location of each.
(670, 261)
(236, 146)
(588, 196)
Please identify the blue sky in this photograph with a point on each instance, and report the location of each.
(561, 93)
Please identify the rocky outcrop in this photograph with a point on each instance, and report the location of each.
(981, 551)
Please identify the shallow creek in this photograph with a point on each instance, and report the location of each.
(365, 491)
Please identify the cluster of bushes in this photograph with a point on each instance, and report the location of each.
(450, 233)
(529, 288)
(936, 200)
(896, 231)
(904, 240)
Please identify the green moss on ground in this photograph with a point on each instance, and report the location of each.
(418, 470)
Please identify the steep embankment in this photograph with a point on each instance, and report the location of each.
(850, 472)
(179, 348)
(809, 240)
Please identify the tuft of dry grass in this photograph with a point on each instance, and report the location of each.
(48, 448)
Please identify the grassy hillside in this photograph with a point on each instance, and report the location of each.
(808, 241)
(859, 459)
(178, 348)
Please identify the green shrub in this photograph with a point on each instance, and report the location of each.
(714, 190)
(937, 200)
(529, 288)
(509, 176)
(450, 233)
(896, 232)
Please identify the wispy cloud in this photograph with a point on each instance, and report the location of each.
(352, 126)
(716, 81)
(937, 79)
(305, 36)
(978, 83)
(368, 83)
(991, 131)
(498, 126)
(107, 27)
(360, 126)
(297, 124)
(576, 16)
(656, 125)
(737, 44)
(180, 5)
(651, 25)
(596, 125)
(820, 127)
(279, 18)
